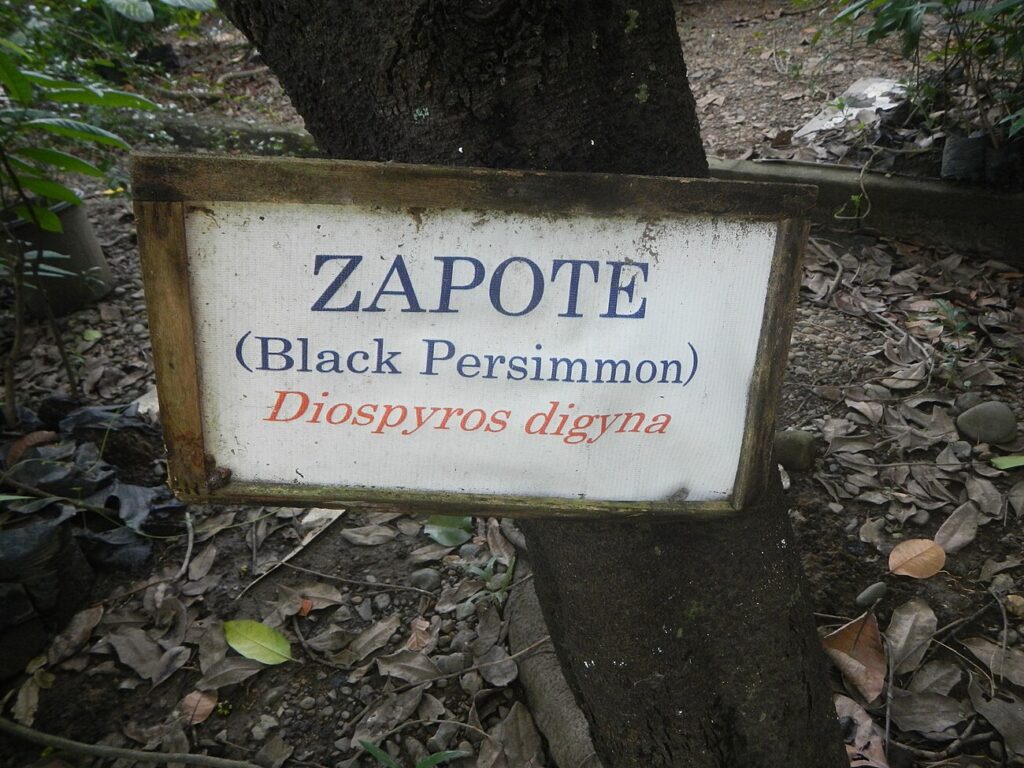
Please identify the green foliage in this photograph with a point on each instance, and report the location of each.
(95, 37)
(448, 530)
(257, 641)
(977, 52)
(40, 134)
(386, 760)
(1008, 462)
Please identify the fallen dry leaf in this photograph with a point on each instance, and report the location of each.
(22, 444)
(1004, 712)
(1008, 663)
(927, 713)
(75, 634)
(856, 649)
(866, 746)
(421, 638)
(910, 631)
(368, 641)
(917, 558)
(197, 706)
(959, 529)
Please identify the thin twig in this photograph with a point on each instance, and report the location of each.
(99, 750)
(406, 724)
(309, 651)
(188, 549)
(375, 584)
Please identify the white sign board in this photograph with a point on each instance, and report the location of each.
(596, 356)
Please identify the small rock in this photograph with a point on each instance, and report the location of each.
(961, 449)
(471, 683)
(991, 422)
(469, 550)
(873, 593)
(464, 610)
(835, 507)
(452, 663)
(365, 611)
(265, 725)
(345, 714)
(342, 745)
(795, 450)
(462, 640)
(307, 703)
(1002, 583)
(426, 578)
(921, 517)
(370, 578)
(382, 601)
(273, 696)
(1015, 606)
(327, 711)
(442, 738)
(967, 400)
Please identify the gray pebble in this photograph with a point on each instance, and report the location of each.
(966, 401)
(382, 601)
(921, 517)
(307, 703)
(1002, 583)
(464, 610)
(991, 422)
(426, 578)
(469, 550)
(961, 449)
(452, 663)
(471, 683)
(342, 745)
(795, 450)
(875, 592)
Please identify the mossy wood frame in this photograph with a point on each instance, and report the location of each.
(166, 186)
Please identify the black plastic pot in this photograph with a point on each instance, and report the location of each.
(90, 280)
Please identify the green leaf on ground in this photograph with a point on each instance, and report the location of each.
(1008, 462)
(449, 531)
(257, 641)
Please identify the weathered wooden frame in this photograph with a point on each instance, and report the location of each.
(166, 186)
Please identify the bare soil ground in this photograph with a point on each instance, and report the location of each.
(892, 342)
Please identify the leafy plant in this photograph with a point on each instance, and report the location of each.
(142, 10)
(976, 56)
(448, 530)
(99, 37)
(495, 584)
(387, 760)
(42, 138)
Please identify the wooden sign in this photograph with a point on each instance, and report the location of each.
(436, 338)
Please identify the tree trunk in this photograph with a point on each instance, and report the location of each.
(686, 643)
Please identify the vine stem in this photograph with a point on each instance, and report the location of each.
(98, 750)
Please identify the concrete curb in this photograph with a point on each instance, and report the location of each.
(924, 210)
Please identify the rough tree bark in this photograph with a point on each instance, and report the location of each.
(686, 643)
